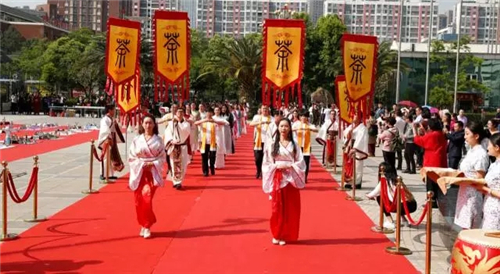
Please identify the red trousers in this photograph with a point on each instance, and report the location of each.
(144, 200)
(349, 164)
(285, 218)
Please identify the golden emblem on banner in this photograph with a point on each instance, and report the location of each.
(122, 51)
(344, 103)
(172, 48)
(359, 53)
(128, 96)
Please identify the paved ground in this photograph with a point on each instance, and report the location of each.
(411, 237)
(65, 173)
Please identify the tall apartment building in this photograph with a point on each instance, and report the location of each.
(381, 18)
(315, 9)
(94, 14)
(143, 11)
(443, 21)
(479, 20)
(240, 17)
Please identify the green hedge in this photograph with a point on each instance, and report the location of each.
(476, 117)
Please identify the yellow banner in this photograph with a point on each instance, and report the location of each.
(360, 61)
(283, 55)
(343, 101)
(172, 48)
(122, 52)
(128, 96)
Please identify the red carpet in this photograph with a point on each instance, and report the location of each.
(216, 225)
(43, 146)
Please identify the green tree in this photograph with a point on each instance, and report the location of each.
(30, 60)
(12, 40)
(239, 59)
(387, 64)
(443, 83)
(323, 60)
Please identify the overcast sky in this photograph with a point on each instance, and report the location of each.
(444, 5)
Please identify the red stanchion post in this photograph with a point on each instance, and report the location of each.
(5, 180)
(380, 228)
(35, 199)
(342, 176)
(428, 240)
(353, 196)
(398, 250)
(91, 170)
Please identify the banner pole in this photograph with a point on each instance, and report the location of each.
(35, 199)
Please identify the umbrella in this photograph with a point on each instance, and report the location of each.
(432, 109)
(408, 104)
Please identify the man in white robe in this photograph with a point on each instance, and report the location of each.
(209, 141)
(261, 123)
(357, 146)
(273, 127)
(221, 136)
(109, 136)
(176, 137)
(328, 137)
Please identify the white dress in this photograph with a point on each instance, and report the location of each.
(470, 201)
(491, 208)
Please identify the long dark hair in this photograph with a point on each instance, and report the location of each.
(155, 128)
(477, 128)
(276, 147)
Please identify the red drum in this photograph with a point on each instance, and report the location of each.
(476, 251)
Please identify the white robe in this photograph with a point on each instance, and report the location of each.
(360, 136)
(294, 175)
(141, 152)
(220, 141)
(194, 132)
(105, 131)
(227, 137)
(179, 133)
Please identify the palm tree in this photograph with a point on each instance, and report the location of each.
(240, 59)
(387, 63)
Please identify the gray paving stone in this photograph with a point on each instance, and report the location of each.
(411, 237)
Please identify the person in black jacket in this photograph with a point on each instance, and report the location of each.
(455, 144)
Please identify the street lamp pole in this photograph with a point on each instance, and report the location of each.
(459, 27)
(429, 41)
(398, 75)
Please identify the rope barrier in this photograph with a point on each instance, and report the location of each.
(103, 153)
(11, 187)
(407, 212)
(390, 206)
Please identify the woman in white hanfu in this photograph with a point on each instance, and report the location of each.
(243, 118)
(474, 165)
(283, 174)
(176, 141)
(491, 207)
(146, 160)
(193, 136)
(227, 130)
(220, 130)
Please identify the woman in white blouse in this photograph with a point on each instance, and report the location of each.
(491, 208)
(474, 165)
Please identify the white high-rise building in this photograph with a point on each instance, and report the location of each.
(479, 20)
(143, 11)
(381, 18)
(240, 17)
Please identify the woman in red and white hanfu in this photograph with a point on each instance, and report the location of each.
(283, 174)
(146, 159)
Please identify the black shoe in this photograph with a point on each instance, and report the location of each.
(257, 176)
(113, 178)
(413, 172)
(213, 172)
(178, 187)
(406, 171)
(102, 178)
(205, 174)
